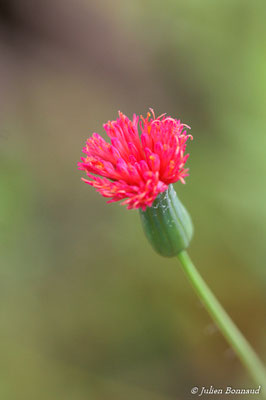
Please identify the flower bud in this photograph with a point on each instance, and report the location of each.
(167, 224)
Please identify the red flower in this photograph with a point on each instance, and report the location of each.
(136, 168)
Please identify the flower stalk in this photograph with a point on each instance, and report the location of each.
(230, 331)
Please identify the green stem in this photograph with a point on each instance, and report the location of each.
(230, 331)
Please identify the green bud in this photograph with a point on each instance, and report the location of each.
(167, 224)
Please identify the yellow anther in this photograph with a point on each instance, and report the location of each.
(171, 164)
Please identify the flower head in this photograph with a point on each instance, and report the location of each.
(136, 167)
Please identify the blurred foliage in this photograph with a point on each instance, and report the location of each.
(88, 311)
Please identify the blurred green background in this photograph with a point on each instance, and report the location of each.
(87, 309)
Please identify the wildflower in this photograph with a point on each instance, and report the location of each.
(141, 170)
(136, 167)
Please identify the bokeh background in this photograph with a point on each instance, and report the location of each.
(87, 309)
